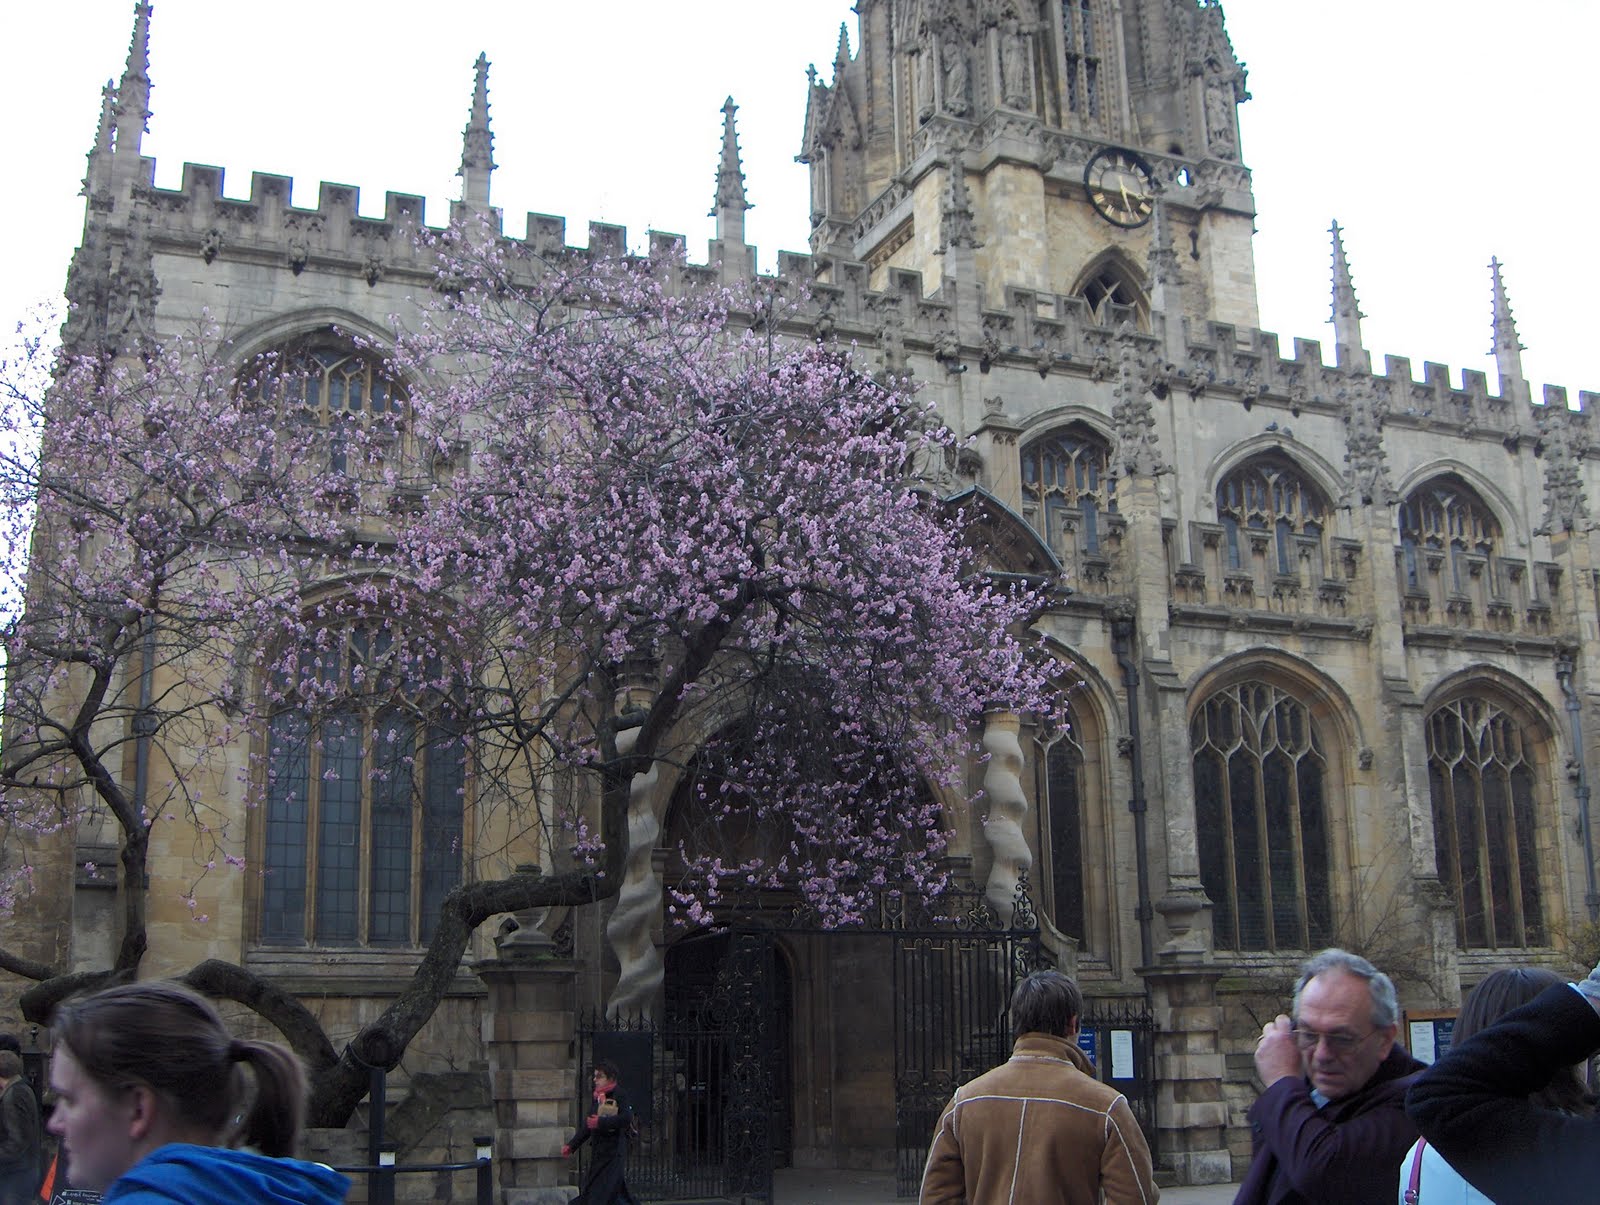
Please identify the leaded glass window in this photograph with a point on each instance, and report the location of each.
(1269, 495)
(1447, 517)
(1260, 778)
(325, 379)
(1482, 781)
(1064, 809)
(1064, 475)
(363, 814)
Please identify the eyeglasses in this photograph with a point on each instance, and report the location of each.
(1340, 1043)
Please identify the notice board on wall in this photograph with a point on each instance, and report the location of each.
(1428, 1033)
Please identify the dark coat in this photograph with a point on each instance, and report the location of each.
(604, 1182)
(1347, 1153)
(19, 1143)
(1473, 1104)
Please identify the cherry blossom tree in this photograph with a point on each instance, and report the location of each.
(627, 527)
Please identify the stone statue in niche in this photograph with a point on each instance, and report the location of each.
(1016, 63)
(1221, 116)
(953, 55)
(923, 67)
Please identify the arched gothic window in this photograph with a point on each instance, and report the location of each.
(363, 811)
(1064, 475)
(1108, 285)
(324, 378)
(1269, 495)
(1260, 778)
(1064, 801)
(1483, 781)
(1445, 516)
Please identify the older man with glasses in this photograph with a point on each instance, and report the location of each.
(1331, 1124)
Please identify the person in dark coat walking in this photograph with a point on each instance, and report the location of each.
(1331, 1125)
(1474, 1104)
(609, 1123)
(19, 1133)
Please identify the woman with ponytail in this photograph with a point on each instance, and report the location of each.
(157, 1102)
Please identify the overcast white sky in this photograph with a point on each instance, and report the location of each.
(1438, 132)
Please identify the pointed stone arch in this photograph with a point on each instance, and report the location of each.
(1112, 286)
(1272, 511)
(1447, 527)
(1492, 748)
(1079, 838)
(1270, 743)
(1069, 487)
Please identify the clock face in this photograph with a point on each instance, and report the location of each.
(1121, 187)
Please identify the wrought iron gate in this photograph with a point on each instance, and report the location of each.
(951, 995)
(713, 1067)
(706, 1068)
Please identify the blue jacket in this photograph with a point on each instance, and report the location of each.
(211, 1175)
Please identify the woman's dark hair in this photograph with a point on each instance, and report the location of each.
(173, 1042)
(1493, 998)
(608, 1069)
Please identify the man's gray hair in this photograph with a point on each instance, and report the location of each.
(1385, 1007)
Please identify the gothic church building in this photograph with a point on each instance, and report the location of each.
(1331, 623)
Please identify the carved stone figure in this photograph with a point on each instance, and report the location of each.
(953, 56)
(1221, 115)
(1016, 66)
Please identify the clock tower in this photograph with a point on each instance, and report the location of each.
(1023, 143)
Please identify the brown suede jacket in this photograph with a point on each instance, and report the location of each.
(1036, 1130)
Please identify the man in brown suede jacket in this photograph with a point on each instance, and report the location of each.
(1040, 1128)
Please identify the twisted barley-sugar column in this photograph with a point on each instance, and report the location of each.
(1008, 807)
(639, 899)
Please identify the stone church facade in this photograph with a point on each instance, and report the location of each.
(1330, 626)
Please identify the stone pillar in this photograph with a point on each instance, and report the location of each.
(1191, 1116)
(529, 1031)
(1008, 808)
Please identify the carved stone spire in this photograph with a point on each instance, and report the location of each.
(841, 56)
(97, 178)
(133, 93)
(731, 200)
(477, 142)
(1347, 313)
(1507, 349)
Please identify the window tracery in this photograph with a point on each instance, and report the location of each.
(325, 379)
(363, 816)
(1270, 495)
(1445, 517)
(1261, 811)
(1483, 782)
(1065, 476)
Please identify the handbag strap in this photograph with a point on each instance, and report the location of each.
(1414, 1189)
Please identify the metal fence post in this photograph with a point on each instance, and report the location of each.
(485, 1153)
(385, 1180)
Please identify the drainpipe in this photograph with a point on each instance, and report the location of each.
(1139, 805)
(1564, 667)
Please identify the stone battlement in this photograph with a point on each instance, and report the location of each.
(1047, 332)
